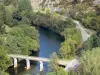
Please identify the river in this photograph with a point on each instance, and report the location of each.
(49, 42)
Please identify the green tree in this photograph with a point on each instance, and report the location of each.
(73, 33)
(21, 39)
(60, 71)
(9, 2)
(10, 21)
(3, 73)
(54, 68)
(89, 63)
(21, 45)
(53, 65)
(2, 18)
(2, 28)
(4, 59)
(25, 30)
(24, 5)
(92, 42)
(67, 50)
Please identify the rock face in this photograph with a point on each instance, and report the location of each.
(45, 3)
(35, 4)
(53, 4)
(96, 2)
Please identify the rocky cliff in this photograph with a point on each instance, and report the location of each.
(57, 4)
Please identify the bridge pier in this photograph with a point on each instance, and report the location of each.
(27, 64)
(41, 68)
(15, 62)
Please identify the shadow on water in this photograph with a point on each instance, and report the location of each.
(50, 34)
(49, 42)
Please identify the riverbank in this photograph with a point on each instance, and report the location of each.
(49, 42)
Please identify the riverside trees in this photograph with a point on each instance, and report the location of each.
(54, 68)
(19, 37)
(92, 42)
(4, 60)
(15, 36)
(22, 39)
(89, 63)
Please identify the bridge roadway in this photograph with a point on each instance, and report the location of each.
(61, 62)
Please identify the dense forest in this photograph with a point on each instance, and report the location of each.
(19, 33)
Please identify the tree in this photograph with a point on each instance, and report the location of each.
(2, 18)
(92, 42)
(60, 71)
(89, 63)
(54, 68)
(21, 45)
(2, 27)
(10, 21)
(53, 65)
(24, 5)
(3, 73)
(9, 2)
(4, 59)
(25, 30)
(17, 15)
(73, 33)
(67, 50)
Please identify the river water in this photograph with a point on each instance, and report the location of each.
(49, 42)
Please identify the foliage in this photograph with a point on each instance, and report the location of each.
(67, 50)
(92, 22)
(90, 18)
(73, 33)
(84, 11)
(9, 2)
(92, 42)
(21, 45)
(4, 59)
(24, 5)
(89, 63)
(3, 73)
(22, 39)
(2, 17)
(72, 40)
(25, 30)
(11, 8)
(17, 15)
(10, 21)
(26, 74)
(60, 71)
(53, 66)
(50, 73)
(52, 21)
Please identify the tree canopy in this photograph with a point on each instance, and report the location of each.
(89, 63)
(4, 59)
